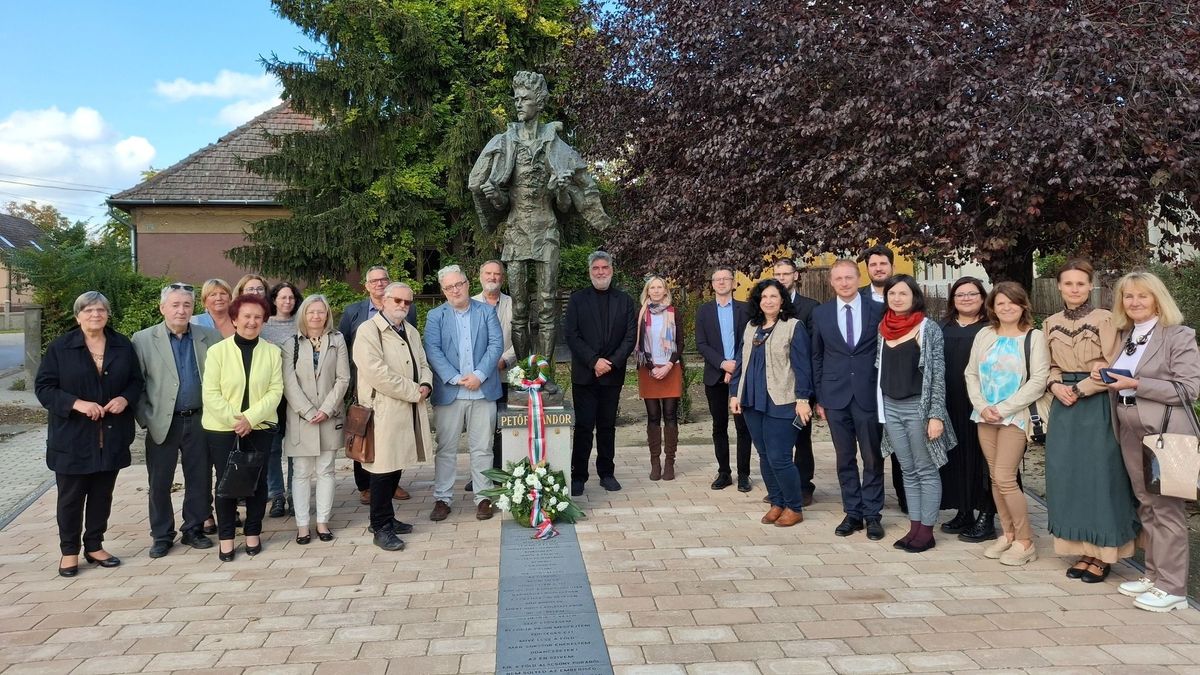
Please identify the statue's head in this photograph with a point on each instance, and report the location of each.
(529, 95)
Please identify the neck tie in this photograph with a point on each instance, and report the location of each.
(849, 327)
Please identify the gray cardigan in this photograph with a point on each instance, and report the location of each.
(932, 365)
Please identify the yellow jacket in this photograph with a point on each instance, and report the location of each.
(225, 382)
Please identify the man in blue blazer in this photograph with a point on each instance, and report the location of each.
(375, 281)
(844, 332)
(463, 343)
(720, 324)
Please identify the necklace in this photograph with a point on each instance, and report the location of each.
(1131, 346)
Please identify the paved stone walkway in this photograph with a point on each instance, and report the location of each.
(685, 579)
(23, 456)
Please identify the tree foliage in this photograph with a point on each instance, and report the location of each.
(407, 92)
(70, 263)
(981, 128)
(46, 216)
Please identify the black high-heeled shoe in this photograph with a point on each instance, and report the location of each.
(110, 561)
(227, 557)
(254, 550)
(67, 571)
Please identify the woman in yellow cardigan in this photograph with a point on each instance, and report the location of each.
(243, 383)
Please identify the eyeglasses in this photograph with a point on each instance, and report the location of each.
(382, 280)
(967, 296)
(179, 286)
(454, 287)
(717, 279)
(400, 301)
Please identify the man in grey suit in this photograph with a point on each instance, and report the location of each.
(172, 359)
(463, 342)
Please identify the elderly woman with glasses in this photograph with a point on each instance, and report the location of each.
(89, 381)
(215, 296)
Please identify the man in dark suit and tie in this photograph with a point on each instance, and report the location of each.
(787, 273)
(356, 314)
(601, 331)
(720, 324)
(844, 332)
(879, 261)
(172, 357)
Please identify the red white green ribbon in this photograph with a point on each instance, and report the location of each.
(539, 520)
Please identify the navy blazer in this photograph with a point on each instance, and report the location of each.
(841, 374)
(441, 349)
(708, 338)
(803, 306)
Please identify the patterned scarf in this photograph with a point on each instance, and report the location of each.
(667, 339)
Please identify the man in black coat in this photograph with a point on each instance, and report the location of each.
(787, 273)
(720, 324)
(600, 331)
(376, 282)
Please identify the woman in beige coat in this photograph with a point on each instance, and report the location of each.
(316, 374)
(1159, 353)
(394, 379)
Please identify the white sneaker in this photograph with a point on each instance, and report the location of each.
(1158, 600)
(1019, 555)
(998, 547)
(1135, 588)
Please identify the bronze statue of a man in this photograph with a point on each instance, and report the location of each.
(526, 179)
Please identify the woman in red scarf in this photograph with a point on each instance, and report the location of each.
(912, 404)
(660, 374)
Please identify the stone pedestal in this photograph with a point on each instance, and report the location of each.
(514, 434)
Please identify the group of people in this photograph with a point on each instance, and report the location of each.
(956, 401)
(953, 401)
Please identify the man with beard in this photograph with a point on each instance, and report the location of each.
(601, 331)
(879, 261)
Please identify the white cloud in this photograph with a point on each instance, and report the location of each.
(249, 94)
(228, 84)
(239, 112)
(77, 150)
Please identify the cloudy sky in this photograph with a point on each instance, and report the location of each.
(94, 93)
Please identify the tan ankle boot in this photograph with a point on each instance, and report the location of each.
(654, 441)
(670, 444)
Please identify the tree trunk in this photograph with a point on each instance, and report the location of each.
(1016, 264)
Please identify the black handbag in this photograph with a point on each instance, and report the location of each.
(243, 467)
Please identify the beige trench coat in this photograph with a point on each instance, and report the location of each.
(386, 369)
(310, 392)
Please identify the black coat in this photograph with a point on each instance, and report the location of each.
(708, 337)
(804, 305)
(589, 343)
(68, 374)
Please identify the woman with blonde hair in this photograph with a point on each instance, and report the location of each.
(1006, 374)
(1155, 367)
(316, 374)
(660, 373)
(252, 284)
(215, 297)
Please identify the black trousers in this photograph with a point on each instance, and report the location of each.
(803, 459)
(184, 439)
(382, 486)
(898, 483)
(718, 407)
(595, 411)
(220, 443)
(84, 504)
(362, 478)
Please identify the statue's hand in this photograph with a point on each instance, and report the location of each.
(493, 194)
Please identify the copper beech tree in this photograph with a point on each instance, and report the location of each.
(981, 128)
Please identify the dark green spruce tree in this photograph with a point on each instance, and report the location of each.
(406, 94)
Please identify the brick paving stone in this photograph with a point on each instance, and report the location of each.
(860, 665)
(937, 661)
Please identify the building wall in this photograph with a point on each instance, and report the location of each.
(188, 243)
(12, 299)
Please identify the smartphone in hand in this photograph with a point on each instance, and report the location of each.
(1106, 374)
(798, 423)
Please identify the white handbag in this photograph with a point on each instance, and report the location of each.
(1172, 463)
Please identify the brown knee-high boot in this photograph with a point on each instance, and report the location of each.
(654, 440)
(671, 442)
